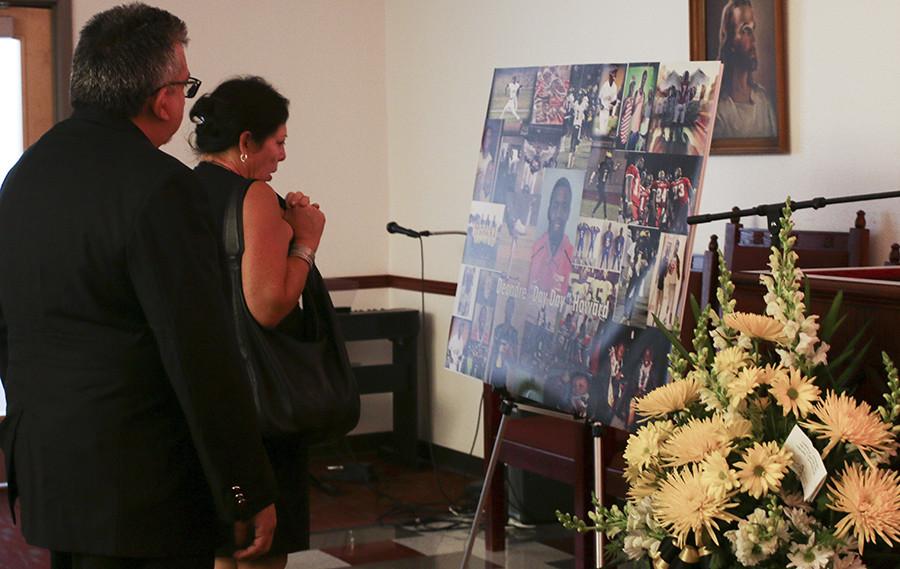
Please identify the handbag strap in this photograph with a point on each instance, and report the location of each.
(233, 231)
(316, 300)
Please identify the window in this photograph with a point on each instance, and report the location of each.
(11, 116)
(11, 121)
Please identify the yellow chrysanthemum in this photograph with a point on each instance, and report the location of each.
(729, 360)
(841, 419)
(763, 467)
(643, 485)
(669, 398)
(796, 394)
(695, 440)
(737, 426)
(755, 326)
(683, 506)
(769, 373)
(742, 385)
(642, 449)
(718, 477)
(871, 500)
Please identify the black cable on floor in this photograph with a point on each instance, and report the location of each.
(427, 368)
(477, 424)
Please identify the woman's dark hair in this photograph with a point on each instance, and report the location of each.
(235, 106)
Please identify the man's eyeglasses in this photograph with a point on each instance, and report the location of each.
(191, 86)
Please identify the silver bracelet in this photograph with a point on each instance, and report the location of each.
(302, 252)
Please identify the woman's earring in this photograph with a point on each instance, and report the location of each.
(243, 157)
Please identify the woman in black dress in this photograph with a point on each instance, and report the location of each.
(240, 136)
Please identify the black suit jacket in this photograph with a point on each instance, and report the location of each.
(128, 424)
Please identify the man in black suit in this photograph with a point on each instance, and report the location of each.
(130, 434)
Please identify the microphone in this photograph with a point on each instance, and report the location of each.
(394, 227)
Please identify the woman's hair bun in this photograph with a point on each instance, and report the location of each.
(201, 109)
(210, 135)
(237, 105)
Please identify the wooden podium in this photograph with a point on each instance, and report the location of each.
(871, 298)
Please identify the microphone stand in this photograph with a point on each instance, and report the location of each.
(427, 233)
(772, 211)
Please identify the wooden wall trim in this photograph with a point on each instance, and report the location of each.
(361, 282)
(358, 282)
(432, 287)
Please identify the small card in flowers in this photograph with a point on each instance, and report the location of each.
(808, 465)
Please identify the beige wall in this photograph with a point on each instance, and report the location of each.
(400, 87)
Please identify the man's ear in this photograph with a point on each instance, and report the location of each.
(159, 104)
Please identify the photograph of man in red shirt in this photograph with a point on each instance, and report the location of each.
(551, 255)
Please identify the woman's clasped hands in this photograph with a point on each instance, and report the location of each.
(306, 219)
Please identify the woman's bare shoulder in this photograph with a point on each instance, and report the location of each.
(261, 200)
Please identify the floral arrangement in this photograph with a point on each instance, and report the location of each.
(712, 479)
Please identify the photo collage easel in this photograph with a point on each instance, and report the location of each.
(577, 235)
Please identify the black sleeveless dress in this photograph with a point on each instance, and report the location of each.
(289, 459)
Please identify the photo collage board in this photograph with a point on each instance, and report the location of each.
(577, 235)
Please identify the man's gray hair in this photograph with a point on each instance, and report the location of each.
(124, 55)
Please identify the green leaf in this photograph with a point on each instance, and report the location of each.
(675, 340)
(828, 333)
(695, 307)
(853, 368)
(849, 349)
(831, 323)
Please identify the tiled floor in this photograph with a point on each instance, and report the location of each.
(379, 524)
(397, 548)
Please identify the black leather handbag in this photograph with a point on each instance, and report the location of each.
(299, 371)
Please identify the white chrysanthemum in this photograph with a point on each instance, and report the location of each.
(758, 537)
(711, 400)
(642, 450)
(802, 521)
(729, 361)
(848, 560)
(809, 555)
(744, 546)
(718, 477)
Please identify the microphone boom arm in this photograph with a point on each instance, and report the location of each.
(394, 227)
(435, 233)
(772, 211)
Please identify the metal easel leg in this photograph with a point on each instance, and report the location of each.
(506, 408)
(599, 471)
